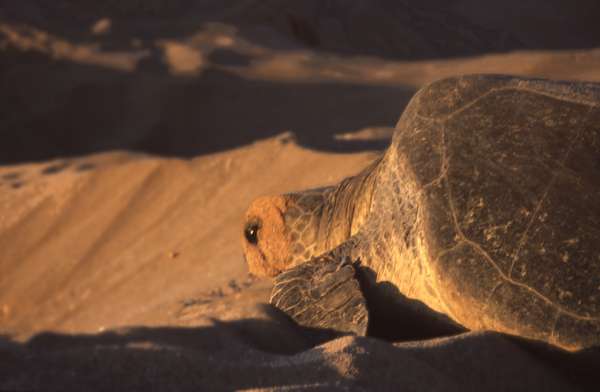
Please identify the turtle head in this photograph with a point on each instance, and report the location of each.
(280, 232)
(283, 231)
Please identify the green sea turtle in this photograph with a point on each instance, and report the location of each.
(485, 208)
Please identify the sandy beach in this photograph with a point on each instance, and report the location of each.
(133, 136)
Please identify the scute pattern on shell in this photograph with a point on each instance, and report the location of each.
(512, 213)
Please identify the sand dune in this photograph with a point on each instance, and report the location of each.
(134, 230)
(133, 135)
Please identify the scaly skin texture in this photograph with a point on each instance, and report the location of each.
(296, 227)
(486, 208)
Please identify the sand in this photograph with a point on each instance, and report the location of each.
(134, 134)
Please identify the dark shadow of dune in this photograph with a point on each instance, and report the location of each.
(84, 109)
(53, 108)
(275, 335)
(431, 29)
(229, 356)
(384, 28)
(228, 57)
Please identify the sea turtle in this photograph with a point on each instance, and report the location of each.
(485, 208)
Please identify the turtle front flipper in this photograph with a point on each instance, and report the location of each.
(323, 293)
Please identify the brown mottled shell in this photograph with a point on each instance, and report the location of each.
(506, 173)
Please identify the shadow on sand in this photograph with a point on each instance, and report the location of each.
(229, 355)
(59, 109)
(252, 353)
(428, 29)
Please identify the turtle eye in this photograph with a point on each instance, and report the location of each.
(251, 232)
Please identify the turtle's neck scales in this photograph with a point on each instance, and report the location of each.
(347, 208)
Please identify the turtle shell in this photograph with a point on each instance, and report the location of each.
(508, 178)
